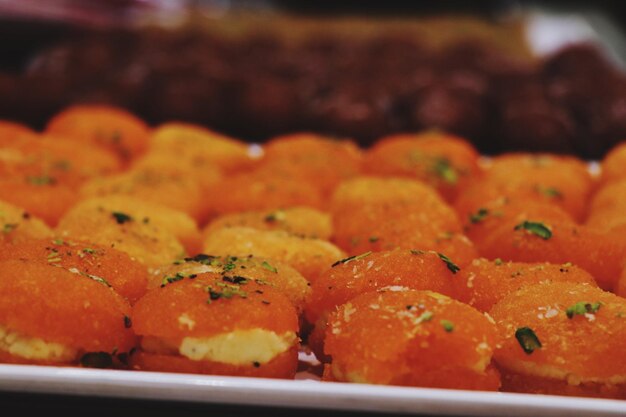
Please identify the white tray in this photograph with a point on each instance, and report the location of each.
(308, 394)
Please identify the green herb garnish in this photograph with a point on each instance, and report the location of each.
(447, 325)
(128, 322)
(120, 217)
(582, 308)
(42, 180)
(479, 216)
(444, 170)
(527, 339)
(451, 265)
(9, 227)
(536, 228)
(549, 191)
(351, 258)
(269, 267)
(426, 316)
(373, 239)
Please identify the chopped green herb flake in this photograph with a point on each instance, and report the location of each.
(447, 325)
(498, 261)
(451, 265)
(42, 180)
(444, 170)
(128, 322)
(479, 216)
(9, 227)
(549, 192)
(536, 228)
(417, 252)
(168, 280)
(374, 239)
(269, 267)
(351, 258)
(426, 316)
(121, 218)
(89, 251)
(527, 339)
(582, 308)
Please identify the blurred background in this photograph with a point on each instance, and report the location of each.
(508, 75)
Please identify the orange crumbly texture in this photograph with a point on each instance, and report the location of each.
(400, 268)
(412, 338)
(308, 256)
(487, 216)
(200, 148)
(53, 304)
(558, 180)
(301, 221)
(483, 283)
(260, 191)
(108, 127)
(444, 161)
(18, 225)
(170, 188)
(595, 251)
(104, 264)
(276, 274)
(608, 208)
(576, 345)
(313, 159)
(613, 164)
(143, 240)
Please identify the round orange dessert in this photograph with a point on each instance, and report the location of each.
(483, 283)
(412, 338)
(212, 324)
(50, 316)
(109, 127)
(104, 264)
(562, 338)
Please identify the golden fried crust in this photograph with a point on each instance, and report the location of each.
(58, 306)
(581, 332)
(483, 283)
(185, 308)
(444, 161)
(417, 338)
(127, 277)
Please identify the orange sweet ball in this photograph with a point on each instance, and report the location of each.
(487, 218)
(308, 256)
(112, 128)
(444, 161)
(370, 271)
(260, 191)
(597, 252)
(317, 160)
(562, 338)
(40, 196)
(613, 164)
(55, 306)
(412, 338)
(103, 264)
(555, 180)
(211, 309)
(608, 207)
(301, 221)
(200, 148)
(278, 275)
(408, 268)
(18, 225)
(483, 283)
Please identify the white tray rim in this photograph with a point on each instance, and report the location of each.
(307, 394)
